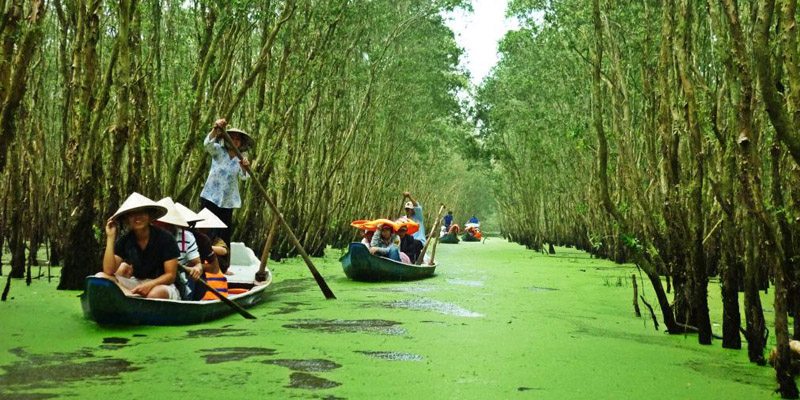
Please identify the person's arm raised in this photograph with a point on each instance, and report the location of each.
(110, 260)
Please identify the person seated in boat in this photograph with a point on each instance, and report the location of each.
(212, 273)
(150, 253)
(414, 213)
(408, 245)
(209, 225)
(366, 237)
(454, 229)
(189, 255)
(207, 256)
(473, 231)
(383, 241)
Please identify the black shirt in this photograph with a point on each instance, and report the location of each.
(147, 263)
(412, 247)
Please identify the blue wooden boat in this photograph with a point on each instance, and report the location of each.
(360, 265)
(104, 302)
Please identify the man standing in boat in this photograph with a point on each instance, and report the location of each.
(414, 213)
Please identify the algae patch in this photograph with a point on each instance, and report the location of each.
(302, 380)
(379, 326)
(202, 333)
(228, 354)
(392, 355)
(54, 371)
(313, 365)
(433, 305)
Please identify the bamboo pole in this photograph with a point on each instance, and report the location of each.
(430, 236)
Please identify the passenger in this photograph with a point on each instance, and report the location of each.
(367, 237)
(454, 229)
(208, 225)
(207, 256)
(408, 245)
(473, 220)
(221, 191)
(149, 254)
(383, 242)
(212, 274)
(189, 255)
(414, 212)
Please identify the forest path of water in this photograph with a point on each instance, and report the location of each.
(497, 321)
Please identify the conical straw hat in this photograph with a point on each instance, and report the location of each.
(137, 202)
(210, 221)
(247, 140)
(187, 214)
(173, 217)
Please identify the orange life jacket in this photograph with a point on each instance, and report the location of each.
(217, 281)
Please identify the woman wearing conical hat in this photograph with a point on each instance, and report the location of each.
(150, 252)
(221, 191)
(383, 242)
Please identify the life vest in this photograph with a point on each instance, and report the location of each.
(217, 281)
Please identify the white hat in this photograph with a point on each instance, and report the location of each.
(173, 217)
(137, 202)
(408, 205)
(210, 221)
(187, 214)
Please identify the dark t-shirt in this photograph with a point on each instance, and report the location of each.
(412, 247)
(203, 246)
(147, 263)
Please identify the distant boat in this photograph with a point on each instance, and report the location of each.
(451, 238)
(104, 302)
(360, 265)
(469, 238)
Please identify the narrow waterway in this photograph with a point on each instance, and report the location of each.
(497, 321)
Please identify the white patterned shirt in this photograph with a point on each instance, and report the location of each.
(222, 184)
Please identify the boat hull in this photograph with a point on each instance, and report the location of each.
(450, 238)
(104, 302)
(469, 238)
(360, 265)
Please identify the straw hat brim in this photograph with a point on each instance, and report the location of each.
(172, 217)
(209, 221)
(247, 141)
(137, 202)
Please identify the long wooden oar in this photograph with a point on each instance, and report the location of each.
(222, 297)
(261, 275)
(430, 236)
(292, 238)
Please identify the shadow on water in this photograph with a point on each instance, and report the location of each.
(228, 354)
(302, 380)
(406, 289)
(224, 332)
(313, 365)
(56, 370)
(737, 373)
(290, 286)
(378, 326)
(392, 355)
(114, 343)
(432, 305)
(541, 289)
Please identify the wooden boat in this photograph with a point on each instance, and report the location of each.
(469, 238)
(360, 265)
(451, 238)
(104, 302)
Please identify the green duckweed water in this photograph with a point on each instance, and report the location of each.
(497, 321)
